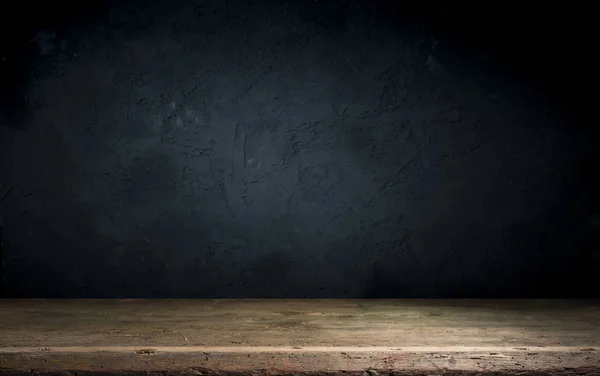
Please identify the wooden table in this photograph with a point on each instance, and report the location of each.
(193, 337)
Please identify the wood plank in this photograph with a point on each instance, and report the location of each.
(310, 336)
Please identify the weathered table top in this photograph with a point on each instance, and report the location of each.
(278, 336)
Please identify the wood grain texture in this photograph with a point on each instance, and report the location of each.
(300, 336)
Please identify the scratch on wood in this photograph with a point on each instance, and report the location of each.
(145, 351)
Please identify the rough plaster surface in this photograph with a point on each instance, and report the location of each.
(273, 149)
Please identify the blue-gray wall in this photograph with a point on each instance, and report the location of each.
(263, 149)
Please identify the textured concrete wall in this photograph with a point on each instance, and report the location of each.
(273, 149)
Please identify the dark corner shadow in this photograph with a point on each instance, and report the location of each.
(531, 49)
(25, 30)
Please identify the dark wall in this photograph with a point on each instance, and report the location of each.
(295, 149)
